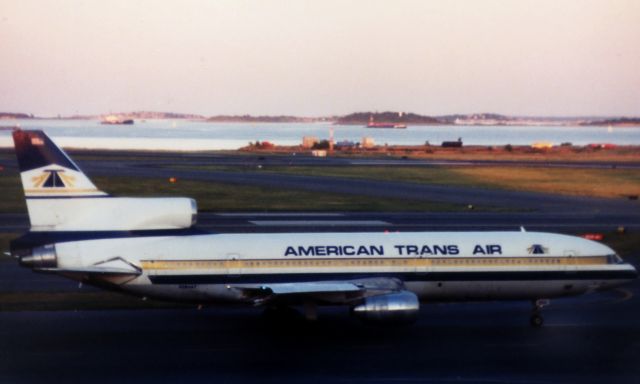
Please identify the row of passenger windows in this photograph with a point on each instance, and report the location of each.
(495, 261)
(355, 262)
(323, 263)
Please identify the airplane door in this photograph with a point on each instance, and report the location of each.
(571, 260)
(233, 266)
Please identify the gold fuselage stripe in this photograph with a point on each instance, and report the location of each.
(372, 262)
(60, 190)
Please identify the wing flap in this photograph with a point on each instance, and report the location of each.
(311, 287)
(338, 292)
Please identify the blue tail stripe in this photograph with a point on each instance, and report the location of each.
(35, 150)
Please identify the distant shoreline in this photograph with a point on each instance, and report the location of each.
(359, 118)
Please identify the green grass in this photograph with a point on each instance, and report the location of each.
(228, 197)
(610, 183)
(12, 196)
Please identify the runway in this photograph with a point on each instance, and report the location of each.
(233, 222)
(295, 159)
(590, 339)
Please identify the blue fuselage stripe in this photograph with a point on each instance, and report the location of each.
(68, 197)
(404, 276)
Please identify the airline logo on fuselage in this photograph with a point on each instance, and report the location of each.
(537, 249)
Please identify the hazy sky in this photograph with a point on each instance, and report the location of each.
(320, 57)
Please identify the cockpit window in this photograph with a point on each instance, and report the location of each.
(614, 259)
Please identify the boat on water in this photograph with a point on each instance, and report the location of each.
(115, 120)
(386, 125)
(373, 124)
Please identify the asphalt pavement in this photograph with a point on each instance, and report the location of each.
(588, 339)
(238, 222)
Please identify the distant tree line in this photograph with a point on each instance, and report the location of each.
(14, 115)
(387, 117)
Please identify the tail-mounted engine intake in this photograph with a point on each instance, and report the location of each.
(398, 307)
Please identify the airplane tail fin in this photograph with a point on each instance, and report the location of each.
(61, 198)
(46, 170)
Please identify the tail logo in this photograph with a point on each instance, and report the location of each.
(53, 178)
(37, 141)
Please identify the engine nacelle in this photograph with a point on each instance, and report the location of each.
(40, 257)
(398, 307)
(111, 213)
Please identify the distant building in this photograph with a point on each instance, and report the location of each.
(542, 145)
(602, 146)
(309, 141)
(368, 142)
(345, 144)
(452, 144)
(319, 153)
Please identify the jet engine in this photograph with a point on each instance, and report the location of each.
(397, 307)
(40, 257)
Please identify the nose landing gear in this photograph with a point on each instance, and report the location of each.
(536, 318)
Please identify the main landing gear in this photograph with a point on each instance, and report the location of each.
(536, 318)
(281, 313)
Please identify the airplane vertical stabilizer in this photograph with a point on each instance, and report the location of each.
(60, 197)
(46, 171)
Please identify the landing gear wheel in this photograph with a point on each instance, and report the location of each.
(279, 313)
(536, 320)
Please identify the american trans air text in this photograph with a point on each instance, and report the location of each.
(379, 250)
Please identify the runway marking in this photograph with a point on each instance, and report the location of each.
(627, 294)
(290, 214)
(568, 325)
(407, 162)
(457, 379)
(306, 223)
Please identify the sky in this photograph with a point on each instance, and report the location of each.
(318, 58)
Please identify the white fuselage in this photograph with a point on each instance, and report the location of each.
(433, 265)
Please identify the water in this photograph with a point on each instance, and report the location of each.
(192, 135)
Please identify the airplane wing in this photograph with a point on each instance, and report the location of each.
(321, 291)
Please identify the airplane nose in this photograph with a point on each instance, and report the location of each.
(40, 257)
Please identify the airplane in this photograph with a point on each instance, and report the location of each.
(151, 247)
